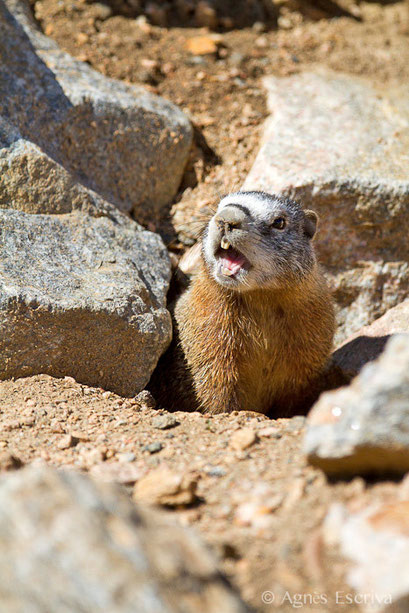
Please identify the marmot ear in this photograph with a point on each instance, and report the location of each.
(310, 223)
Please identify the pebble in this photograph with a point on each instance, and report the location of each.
(236, 58)
(201, 45)
(102, 11)
(126, 457)
(9, 461)
(93, 456)
(124, 473)
(146, 399)
(257, 513)
(216, 471)
(164, 422)
(270, 432)
(243, 438)
(67, 441)
(153, 447)
(164, 487)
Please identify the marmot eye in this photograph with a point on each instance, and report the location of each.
(279, 223)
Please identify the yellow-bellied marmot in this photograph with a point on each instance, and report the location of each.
(255, 328)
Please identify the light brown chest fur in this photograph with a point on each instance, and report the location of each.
(254, 350)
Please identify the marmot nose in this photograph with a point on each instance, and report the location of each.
(230, 217)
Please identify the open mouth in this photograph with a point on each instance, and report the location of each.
(231, 261)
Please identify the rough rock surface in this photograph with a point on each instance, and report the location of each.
(340, 147)
(82, 296)
(71, 133)
(103, 553)
(376, 540)
(368, 343)
(364, 428)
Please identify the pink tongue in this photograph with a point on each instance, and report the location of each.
(232, 263)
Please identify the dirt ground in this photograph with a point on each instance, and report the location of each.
(260, 508)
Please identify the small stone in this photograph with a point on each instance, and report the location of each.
(126, 457)
(261, 42)
(243, 439)
(165, 487)
(236, 58)
(153, 447)
(258, 27)
(164, 422)
(270, 432)
(101, 11)
(201, 45)
(81, 436)
(257, 512)
(8, 461)
(296, 423)
(67, 441)
(216, 471)
(295, 493)
(118, 472)
(82, 38)
(93, 456)
(143, 24)
(146, 399)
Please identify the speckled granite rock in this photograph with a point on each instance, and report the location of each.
(72, 545)
(364, 428)
(341, 148)
(376, 541)
(64, 124)
(84, 297)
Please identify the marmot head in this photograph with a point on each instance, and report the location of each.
(258, 240)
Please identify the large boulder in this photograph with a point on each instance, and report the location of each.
(340, 147)
(72, 545)
(82, 296)
(364, 428)
(63, 124)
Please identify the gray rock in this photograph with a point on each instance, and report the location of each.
(154, 447)
(71, 133)
(72, 545)
(376, 541)
(164, 422)
(82, 296)
(364, 428)
(340, 147)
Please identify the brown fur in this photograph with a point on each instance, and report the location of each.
(257, 350)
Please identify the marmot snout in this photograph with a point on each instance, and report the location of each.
(255, 328)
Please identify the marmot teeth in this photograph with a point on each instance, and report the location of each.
(227, 271)
(225, 243)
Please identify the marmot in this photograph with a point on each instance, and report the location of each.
(255, 328)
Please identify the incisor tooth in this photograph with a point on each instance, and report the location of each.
(227, 272)
(225, 243)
